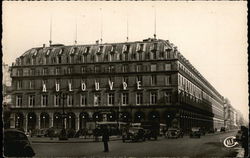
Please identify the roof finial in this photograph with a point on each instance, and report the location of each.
(50, 36)
(101, 25)
(76, 32)
(154, 22)
(127, 27)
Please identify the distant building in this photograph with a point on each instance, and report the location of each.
(230, 115)
(6, 91)
(137, 81)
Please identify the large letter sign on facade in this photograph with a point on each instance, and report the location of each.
(44, 87)
(57, 87)
(138, 84)
(83, 86)
(124, 85)
(111, 85)
(97, 86)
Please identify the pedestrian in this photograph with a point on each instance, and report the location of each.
(244, 140)
(105, 138)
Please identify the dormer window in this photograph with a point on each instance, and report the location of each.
(140, 47)
(126, 48)
(86, 50)
(113, 48)
(48, 52)
(100, 49)
(35, 52)
(60, 52)
(154, 48)
(72, 51)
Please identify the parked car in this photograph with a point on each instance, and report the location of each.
(223, 129)
(203, 131)
(39, 132)
(152, 129)
(195, 132)
(150, 133)
(16, 144)
(134, 134)
(174, 133)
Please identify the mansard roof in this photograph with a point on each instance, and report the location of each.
(59, 49)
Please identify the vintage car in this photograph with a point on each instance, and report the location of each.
(150, 133)
(16, 144)
(195, 132)
(134, 134)
(174, 133)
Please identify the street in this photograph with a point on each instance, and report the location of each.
(206, 146)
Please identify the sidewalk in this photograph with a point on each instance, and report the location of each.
(70, 140)
(240, 152)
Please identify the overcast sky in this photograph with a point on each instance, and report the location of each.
(211, 35)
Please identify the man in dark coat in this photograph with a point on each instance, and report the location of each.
(105, 138)
(244, 140)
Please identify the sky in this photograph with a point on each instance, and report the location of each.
(211, 35)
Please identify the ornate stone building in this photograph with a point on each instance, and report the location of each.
(137, 81)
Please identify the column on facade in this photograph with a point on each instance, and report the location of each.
(26, 119)
(77, 121)
(38, 123)
(12, 120)
(51, 119)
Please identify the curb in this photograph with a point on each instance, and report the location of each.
(71, 141)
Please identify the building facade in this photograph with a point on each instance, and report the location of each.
(6, 93)
(137, 81)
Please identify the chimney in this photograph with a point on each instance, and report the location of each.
(43, 45)
(97, 41)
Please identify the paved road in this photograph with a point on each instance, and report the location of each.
(206, 146)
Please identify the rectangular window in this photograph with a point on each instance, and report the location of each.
(162, 54)
(44, 100)
(19, 85)
(168, 97)
(83, 100)
(111, 99)
(32, 100)
(139, 98)
(20, 72)
(97, 69)
(84, 69)
(140, 55)
(124, 68)
(153, 97)
(126, 56)
(59, 59)
(154, 55)
(167, 80)
(70, 69)
(153, 67)
(97, 99)
(19, 101)
(31, 84)
(58, 70)
(139, 68)
(167, 67)
(70, 99)
(153, 80)
(124, 98)
(98, 58)
(45, 71)
(56, 100)
(111, 68)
